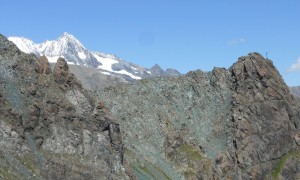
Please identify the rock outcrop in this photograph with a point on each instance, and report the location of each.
(157, 71)
(51, 128)
(265, 114)
(237, 123)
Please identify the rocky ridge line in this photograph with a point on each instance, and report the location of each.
(50, 127)
(237, 123)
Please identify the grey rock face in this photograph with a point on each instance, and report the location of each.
(238, 123)
(51, 128)
(80, 102)
(266, 115)
(172, 72)
(171, 119)
(295, 91)
(157, 71)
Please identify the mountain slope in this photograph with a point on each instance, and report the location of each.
(70, 48)
(237, 123)
(50, 127)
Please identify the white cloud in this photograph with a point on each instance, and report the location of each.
(236, 41)
(295, 66)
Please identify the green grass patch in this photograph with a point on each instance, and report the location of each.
(280, 165)
(28, 161)
(7, 173)
(149, 171)
(190, 152)
(190, 173)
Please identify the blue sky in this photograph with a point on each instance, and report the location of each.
(182, 34)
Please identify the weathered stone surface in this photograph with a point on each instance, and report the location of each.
(291, 169)
(238, 123)
(63, 76)
(51, 128)
(265, 113)
(164, 119)
(44, 66)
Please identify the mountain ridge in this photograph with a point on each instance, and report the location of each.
(70, 48)
(236, 123)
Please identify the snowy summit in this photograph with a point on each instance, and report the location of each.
(70, 48)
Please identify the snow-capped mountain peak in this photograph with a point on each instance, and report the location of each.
(71, 49)
(24, 44)
(66, 46)
(67, 38)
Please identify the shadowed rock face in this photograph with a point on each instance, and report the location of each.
(232, 123)
(51, 128)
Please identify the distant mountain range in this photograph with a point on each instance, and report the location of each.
(296, 92)
(71, 49)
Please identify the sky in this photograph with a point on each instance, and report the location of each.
(182, 34)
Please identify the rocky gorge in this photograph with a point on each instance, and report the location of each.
(236, 123)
